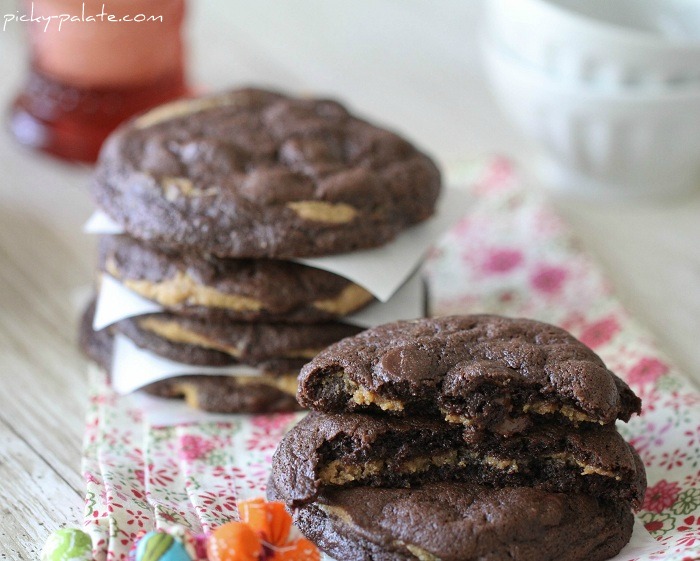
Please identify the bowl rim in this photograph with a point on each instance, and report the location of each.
(614, 31)
(492, 49)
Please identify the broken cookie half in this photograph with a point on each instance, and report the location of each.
(487, 373)
(350, 450)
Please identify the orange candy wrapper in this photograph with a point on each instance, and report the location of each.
(265, 532)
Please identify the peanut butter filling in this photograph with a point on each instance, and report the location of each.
(189, 393)
(179, 108)
(338, 473)
(336, 512)
(458, 419)
(182, 289)
(544, 408)
(173, 331)
(176, 187)
(363, 396)
(286, 384)
(360, 395)
(321, 211)
(539, 408)
(511, 466)
(350, 299)
(587, 469)
(342, 514)
(419, 552)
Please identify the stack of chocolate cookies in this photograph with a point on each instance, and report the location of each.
(461, 438)
(217, 197)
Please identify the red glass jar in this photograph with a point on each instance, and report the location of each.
(93, 65)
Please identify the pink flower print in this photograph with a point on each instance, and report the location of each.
(253, 477)
(172, 516)
(140, 476)
(673, 460)
(548, 279)
(91, 478)
(688, 524)
(136, 517)
(647, 370)
(462, 228)
(501, 170)
(693, 436)
(434, 253)
(273, 422)
(194, 447)
(497, 177)
(600, 332)
(507, 296)
(691, 527)
(574, 322)
(661, 496)
(224, 473)
(162, 477)
(502, 261)
(138, 495)
(223, 501)
(652, 437)
(268, 431)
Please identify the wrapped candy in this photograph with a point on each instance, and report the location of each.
(67, 544)
(159, 546)
(264, 532)
(195, 544)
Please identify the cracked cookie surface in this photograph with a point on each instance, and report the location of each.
(254, 173)
(462, 522)
(488, 373)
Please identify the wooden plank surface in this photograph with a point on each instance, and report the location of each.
(410, 64)
(29, 483)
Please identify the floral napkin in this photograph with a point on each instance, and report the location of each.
(509, 254)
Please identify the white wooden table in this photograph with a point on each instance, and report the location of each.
(410, 64)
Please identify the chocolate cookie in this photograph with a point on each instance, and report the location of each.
(227, 394)
(253, 173)
(353, 449)
(488, 373)
(273, 391)
(462, 522)
(236, 289)
(208, 343)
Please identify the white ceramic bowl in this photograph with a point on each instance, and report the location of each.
(598, 144)
(606, 44)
